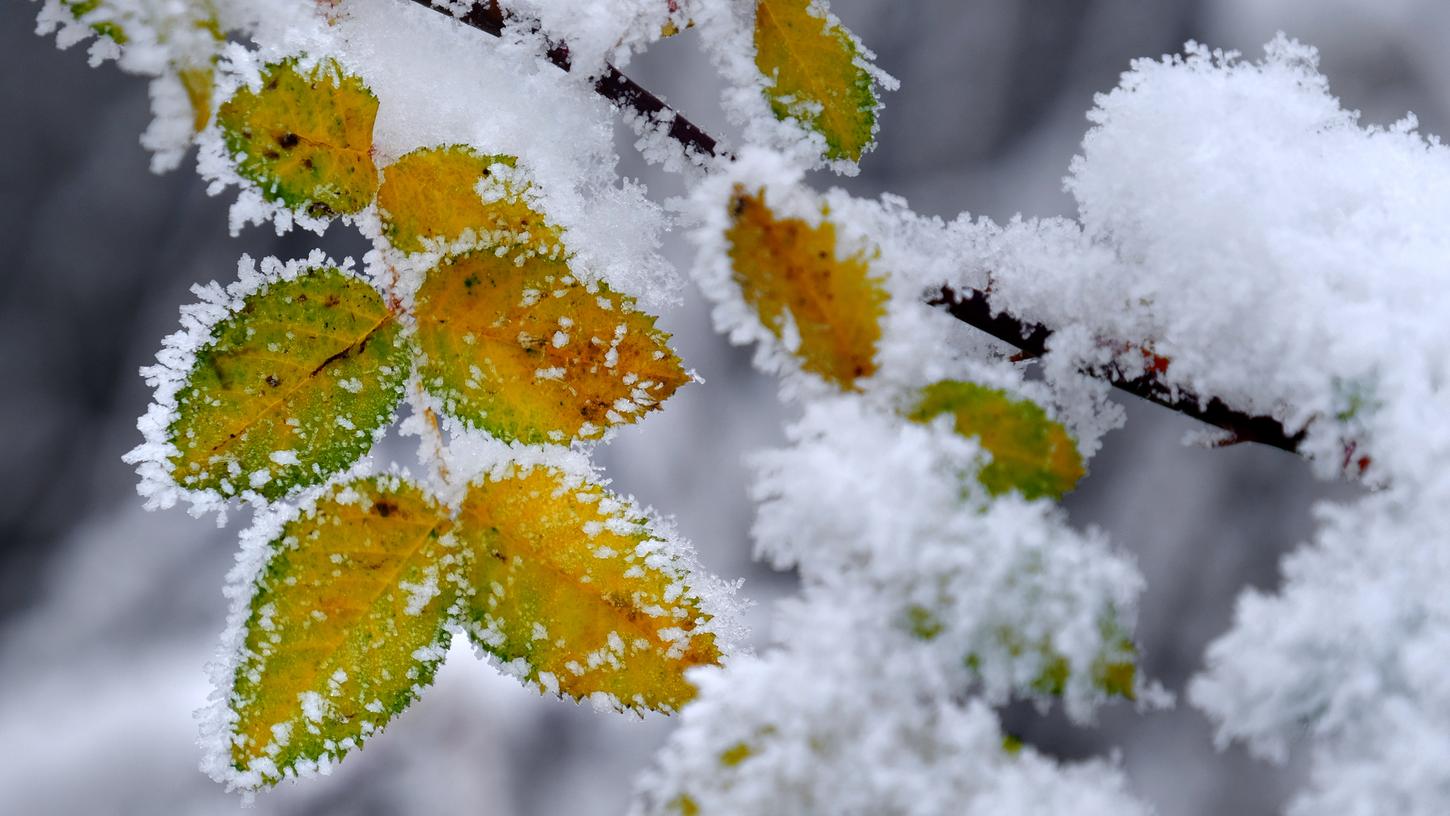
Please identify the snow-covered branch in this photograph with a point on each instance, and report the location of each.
(612, 84)
(968, 305)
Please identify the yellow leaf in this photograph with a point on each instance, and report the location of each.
(816, 76)
(527, 352)
(574, 588)
(677, 20)
(305, 139)
(1030, 453)
(290, 389)
(432, 194)
(198, 85)
(788, 269)
(197, 75)
(346, 625)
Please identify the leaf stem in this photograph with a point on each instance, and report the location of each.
(418, 399)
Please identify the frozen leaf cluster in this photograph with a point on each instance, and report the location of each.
(505, 322)
(1239, 235)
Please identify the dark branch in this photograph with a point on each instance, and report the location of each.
(970, 307)
(613, 85)
(1031, 339)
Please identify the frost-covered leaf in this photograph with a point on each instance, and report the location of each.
(199, 85)
(433, 194)
(1114, 670)
(577, 594)
(527, 352)
(305, 137)
(837, 721)
(678, 21)
(197, 74)
(817, 74)
(345, 626)
(1114, 673)
(291, 388)
(1031, 453)
(99, 18)
(791, 273)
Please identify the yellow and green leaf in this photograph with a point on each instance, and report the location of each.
(1031, 453)
(790, 270)
(290, 389)
(432, 195)
(1114, 670)
(676, 21)
(82, 9)
(346, 625)
(198, 84)
(305, 138)
(816, 75)
(526, 352)
(1114, 674)
(197, 75)
(573, 589)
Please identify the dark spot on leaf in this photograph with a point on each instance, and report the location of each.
(385, 508)
(288, 140)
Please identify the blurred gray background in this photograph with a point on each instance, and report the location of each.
(108, 613)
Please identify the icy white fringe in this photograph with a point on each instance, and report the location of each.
(174, 363)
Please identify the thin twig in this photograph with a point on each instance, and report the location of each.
(612, 84)
(971, 307)
(967, 305)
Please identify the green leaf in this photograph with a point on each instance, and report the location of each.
(1114, 676)
(82, 9)
(573, 589)
(346, 625)
(291, 388)
(1114, 670)
(526, 352)
(305, 138)
(817, 75)
(1031, 453)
